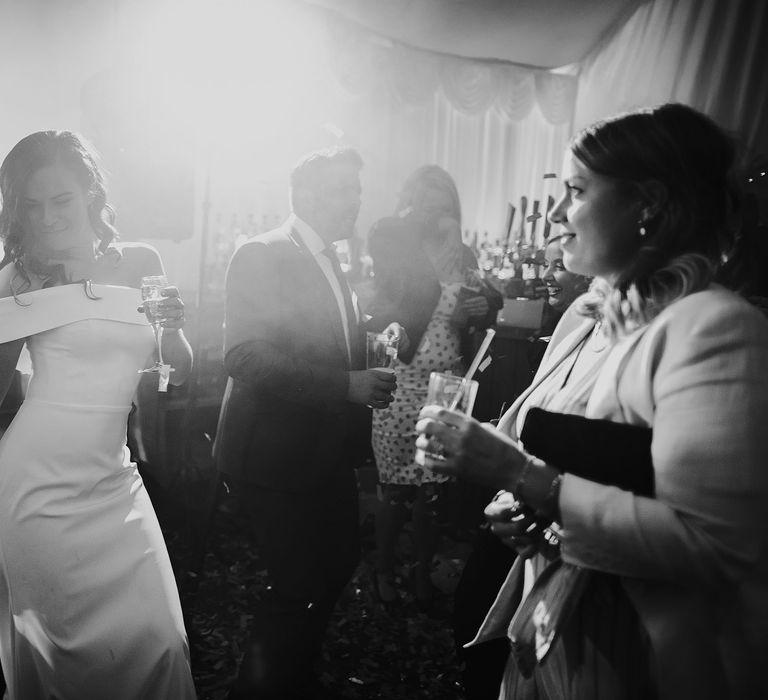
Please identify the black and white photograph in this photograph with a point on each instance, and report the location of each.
(384, 350)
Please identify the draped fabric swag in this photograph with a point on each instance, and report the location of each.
(497, 128)
(364, 63)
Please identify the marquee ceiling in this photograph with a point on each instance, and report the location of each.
(537, 33)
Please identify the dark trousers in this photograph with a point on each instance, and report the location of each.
(487, 566)
(309, 542)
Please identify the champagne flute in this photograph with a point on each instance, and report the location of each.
(151, 295)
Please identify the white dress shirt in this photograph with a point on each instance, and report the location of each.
(311, 239)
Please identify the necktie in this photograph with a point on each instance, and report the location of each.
(346, 294)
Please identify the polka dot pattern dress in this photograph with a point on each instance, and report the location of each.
(393, 439)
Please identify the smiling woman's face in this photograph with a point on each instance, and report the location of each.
(563, 286)
(55, 209)
(599, 221)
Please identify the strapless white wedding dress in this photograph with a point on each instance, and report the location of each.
(89, 608)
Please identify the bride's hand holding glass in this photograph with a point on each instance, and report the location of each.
(162, 303)
(169, 310)
(165, 311)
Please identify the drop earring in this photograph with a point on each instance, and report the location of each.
(641, 229)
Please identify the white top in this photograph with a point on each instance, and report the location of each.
(31, 313)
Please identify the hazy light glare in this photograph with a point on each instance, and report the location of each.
(235, 68)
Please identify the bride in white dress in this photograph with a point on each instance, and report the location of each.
(89, 607)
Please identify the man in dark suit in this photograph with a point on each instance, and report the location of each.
(295, 421)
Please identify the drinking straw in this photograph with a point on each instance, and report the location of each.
(489, 333)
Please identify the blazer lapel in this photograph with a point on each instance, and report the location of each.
(503, 609)
(551, 362)
(604, 399)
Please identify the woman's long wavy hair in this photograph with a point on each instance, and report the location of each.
(693, 230)
(39, 150)
(428, 177)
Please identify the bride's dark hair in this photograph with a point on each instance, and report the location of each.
(39, 150)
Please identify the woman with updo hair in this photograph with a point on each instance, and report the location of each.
(632, 473)
(89, 607)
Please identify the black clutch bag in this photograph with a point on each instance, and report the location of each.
(614, 454)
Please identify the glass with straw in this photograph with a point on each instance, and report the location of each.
(455, 393)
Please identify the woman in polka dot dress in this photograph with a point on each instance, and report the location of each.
(420, 266)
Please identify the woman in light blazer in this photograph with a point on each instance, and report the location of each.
(645, 522)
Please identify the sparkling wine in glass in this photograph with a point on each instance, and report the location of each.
(151, 288)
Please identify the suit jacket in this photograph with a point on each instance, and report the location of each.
(694, 559)
(285, 422)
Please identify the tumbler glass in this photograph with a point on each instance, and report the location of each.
(441, 391)
(381, 351)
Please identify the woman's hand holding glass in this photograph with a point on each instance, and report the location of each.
(472, 301)
(161, 303)
(478, 452)
(473, 307)
(169, 314)
(398, 333)
(471, 450)
(165, 311)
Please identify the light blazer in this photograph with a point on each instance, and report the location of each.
(285, 422)
(694, 558)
